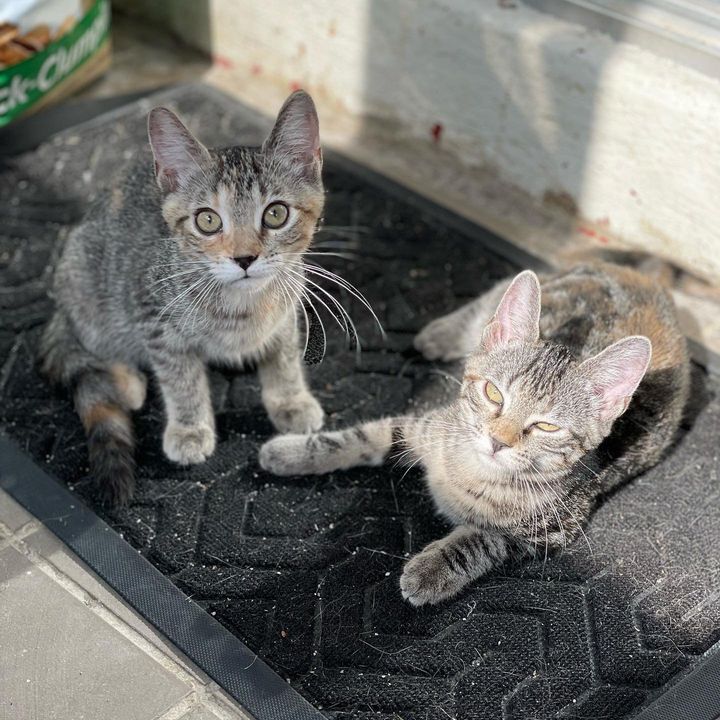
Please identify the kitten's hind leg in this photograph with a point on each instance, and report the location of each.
(444, 567)
(130, 383)
(453, 336)
(366, 444)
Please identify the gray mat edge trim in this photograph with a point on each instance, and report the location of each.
(235, 667)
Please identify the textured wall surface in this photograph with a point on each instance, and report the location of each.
(622, 137)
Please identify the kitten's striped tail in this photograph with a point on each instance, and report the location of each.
(104, 396)
(108, 427)
(366, 444)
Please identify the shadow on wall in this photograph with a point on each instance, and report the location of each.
(175, 16)
(565, 114)
(526, 86)
(525, 100)
(166, 59)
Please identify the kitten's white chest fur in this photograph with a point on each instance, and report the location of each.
(472, 496)
(247, 336)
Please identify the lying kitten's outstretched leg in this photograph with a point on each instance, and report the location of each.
(285, 393)
(366, 444)
(457, 334)
(444, 567)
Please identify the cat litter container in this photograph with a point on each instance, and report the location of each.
(48, 50)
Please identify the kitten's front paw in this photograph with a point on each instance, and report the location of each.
(443, 339)
(298, 414)
(189, 444)
(284, 455)
(427, 578)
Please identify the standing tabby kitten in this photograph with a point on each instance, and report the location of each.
(555, 409)
(194, 263)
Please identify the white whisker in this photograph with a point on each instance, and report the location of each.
(302, 292)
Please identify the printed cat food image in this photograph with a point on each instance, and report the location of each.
(572, 384)
(193, 261)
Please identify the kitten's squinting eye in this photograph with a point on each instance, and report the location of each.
(275, 215)
(208, 222)
(493, 394)
(546, 427)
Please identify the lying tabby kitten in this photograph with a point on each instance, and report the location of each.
(551, 414)
(194, 263)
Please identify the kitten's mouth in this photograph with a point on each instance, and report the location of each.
(248, 281)
(498, 460)
(495, 470)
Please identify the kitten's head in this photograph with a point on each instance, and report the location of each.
(533, 408)
(244, 213)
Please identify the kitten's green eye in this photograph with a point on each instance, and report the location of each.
(493, 394)
(275, 215)
(546, 427)
(208, 221)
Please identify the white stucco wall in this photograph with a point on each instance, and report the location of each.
(626, 137)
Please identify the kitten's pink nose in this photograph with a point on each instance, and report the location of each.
(496, 444)
(245, 261)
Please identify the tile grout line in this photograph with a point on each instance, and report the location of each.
(211, 695)
(205, 697)
(22, 532)
(180, 709)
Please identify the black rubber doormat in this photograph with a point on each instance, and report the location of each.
(304, 572)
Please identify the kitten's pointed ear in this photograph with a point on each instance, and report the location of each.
(517, 317)
(177, 153)
(296, 134)
(616, 372)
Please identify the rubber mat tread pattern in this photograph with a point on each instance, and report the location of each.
(305, 571)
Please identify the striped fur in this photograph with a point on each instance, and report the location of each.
(604, 363)
(140, 288)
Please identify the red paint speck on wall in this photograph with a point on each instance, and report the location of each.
(592, 233)
(294, 85)
(436, 132)
(256, 69)
(223, 62)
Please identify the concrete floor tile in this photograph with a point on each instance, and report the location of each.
(13, 515)
(56, 552)
(60, 661)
